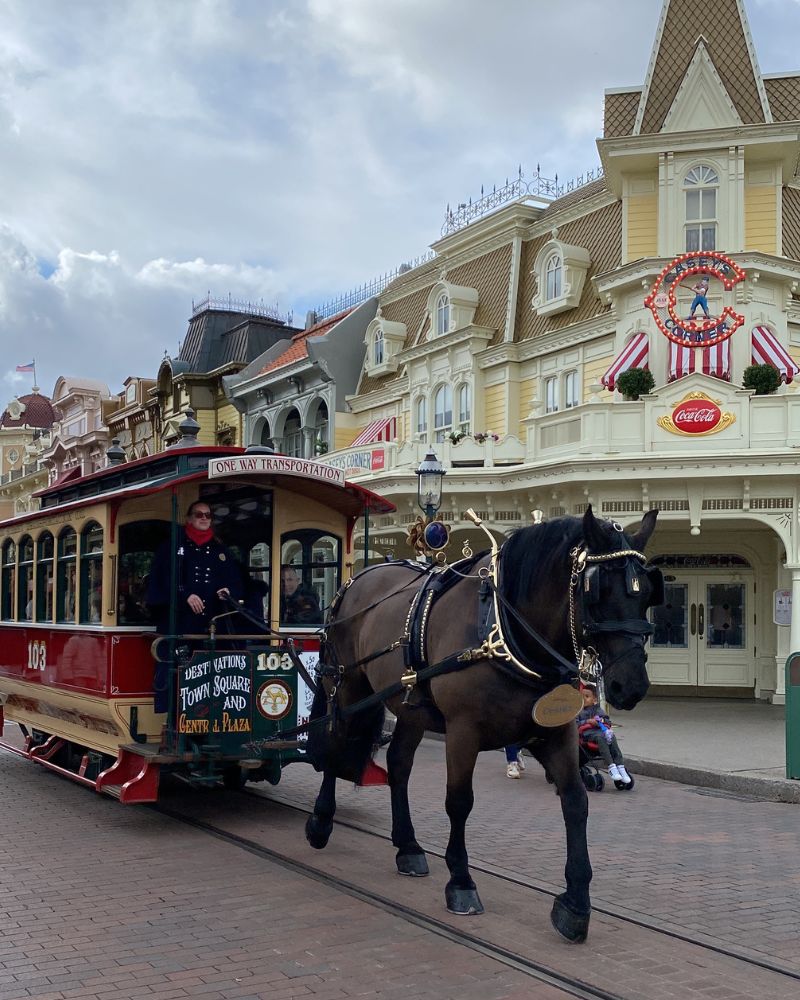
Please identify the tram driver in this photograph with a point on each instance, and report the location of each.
(207, 574)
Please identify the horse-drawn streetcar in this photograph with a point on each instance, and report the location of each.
(102, 694)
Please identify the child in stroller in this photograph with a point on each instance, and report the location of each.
(596, 739)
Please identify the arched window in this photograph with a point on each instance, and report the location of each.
(293, 435)
(321, 439)
(553, 273)
(421, 417)
(66, 575)
(442, 315)
(700, 188)
(442, 412)
(551, 394)
(571, 397)
(25, 580)
(91, 612)
(9, 579)
(45, 553)
(464, 408)
(377, 348)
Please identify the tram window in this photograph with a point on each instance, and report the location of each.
(66, 575)
(91, 592)
(138, 543)
(257, 589)
(310, 575)
(25, 580)
(9, 578)
(45, 551)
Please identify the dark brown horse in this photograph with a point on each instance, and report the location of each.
(556, 590)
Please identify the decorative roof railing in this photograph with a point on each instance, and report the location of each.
(363, 292)
(230, 304)
(538, 187)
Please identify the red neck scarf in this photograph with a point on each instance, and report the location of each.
(197, 536)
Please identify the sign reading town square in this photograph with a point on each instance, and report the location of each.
(698, 275)
(696, 414)
(237, 465)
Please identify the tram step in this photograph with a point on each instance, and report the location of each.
(113, 790)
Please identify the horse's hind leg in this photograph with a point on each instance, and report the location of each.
(572, 909)
(406, 738)
(319, 824)
(460, 893)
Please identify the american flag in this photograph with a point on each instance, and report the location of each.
(27, 368)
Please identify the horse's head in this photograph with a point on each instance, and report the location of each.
(613, 591)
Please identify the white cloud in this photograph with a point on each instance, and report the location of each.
(279, 150)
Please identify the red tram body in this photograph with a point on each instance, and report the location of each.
(77, 649)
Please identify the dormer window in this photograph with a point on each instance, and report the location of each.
(553, 274)
(700, 188)
(384, 340)
(130, 393)
(442, 321)
(560, 271)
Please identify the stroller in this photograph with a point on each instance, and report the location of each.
(589, 761)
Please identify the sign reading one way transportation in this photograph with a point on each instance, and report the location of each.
(237, 465)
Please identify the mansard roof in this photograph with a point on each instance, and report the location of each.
(720, 25)
(219, 337)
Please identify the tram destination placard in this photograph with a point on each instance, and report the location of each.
(214, 699)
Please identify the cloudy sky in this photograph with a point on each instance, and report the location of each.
(281, 151)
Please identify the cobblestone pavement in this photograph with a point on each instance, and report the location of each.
(721, 867)
(104, 902)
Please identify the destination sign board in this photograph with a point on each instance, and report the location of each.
(237, 465)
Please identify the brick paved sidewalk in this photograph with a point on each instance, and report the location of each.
(105, 902)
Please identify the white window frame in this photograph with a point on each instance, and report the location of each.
(551, 394)
(464, 408)
(442, 315)
(421, 417)
(571, 394)
(293, 442)
(442, 409)
(377, 348)
(701, 179)
(554, 277)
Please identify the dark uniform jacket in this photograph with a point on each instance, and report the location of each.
(202, 570)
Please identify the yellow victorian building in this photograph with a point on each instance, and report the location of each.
(504, 353)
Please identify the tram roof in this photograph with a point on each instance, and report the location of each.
(179, 465)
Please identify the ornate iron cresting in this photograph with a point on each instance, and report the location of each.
(229, 304)
(360, 294)
(542, 188)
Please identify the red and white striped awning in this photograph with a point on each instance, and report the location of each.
(767, 351)
(382, 429)
(714, 361)
(633, 355)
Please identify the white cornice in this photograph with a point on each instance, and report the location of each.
(379, 397)
(449, 340)
(579, 333)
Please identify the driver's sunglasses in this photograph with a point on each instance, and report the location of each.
(205, 515)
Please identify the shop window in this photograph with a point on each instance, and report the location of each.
(45, 564)
(91, 589)
(66, 575)
(442, 412)
(310, 575)
(138, 543)
(700, 190)
(25, 579)
(9, 579)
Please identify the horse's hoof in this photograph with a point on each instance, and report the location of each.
(412, 864)
(464, 902)
(571, 925)
(318, 832)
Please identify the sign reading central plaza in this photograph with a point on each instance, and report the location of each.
(237, 465)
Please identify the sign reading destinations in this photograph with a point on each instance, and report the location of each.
(699, 275)
(696, 414)
(237, 465)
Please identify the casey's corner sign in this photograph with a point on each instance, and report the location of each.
(265, 465)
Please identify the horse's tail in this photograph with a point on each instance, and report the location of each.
(347, 746)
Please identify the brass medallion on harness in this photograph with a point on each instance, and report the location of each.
(557, 707)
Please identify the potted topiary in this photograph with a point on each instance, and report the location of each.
(635, 382)
(763, 378)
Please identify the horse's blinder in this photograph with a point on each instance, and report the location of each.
(591, 568)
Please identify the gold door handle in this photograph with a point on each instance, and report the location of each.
(701, 620)
(693, 620)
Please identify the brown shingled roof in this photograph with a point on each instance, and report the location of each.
(620, 114)
(720, 26)
(784, 98)
(791, 223)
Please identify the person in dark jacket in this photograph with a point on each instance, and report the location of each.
(207, 573)
(298, 605)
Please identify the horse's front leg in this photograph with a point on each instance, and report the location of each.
(319, 824)
(406, 738)
(460, 893)
(559, 756)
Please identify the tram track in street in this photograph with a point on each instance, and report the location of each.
(604, 908)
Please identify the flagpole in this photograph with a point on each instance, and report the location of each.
(34, 373)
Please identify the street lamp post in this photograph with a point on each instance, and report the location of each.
(430, 535)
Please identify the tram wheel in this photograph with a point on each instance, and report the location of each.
(234, 778)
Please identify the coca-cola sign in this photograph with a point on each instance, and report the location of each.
(696, 413)
(696, 416)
